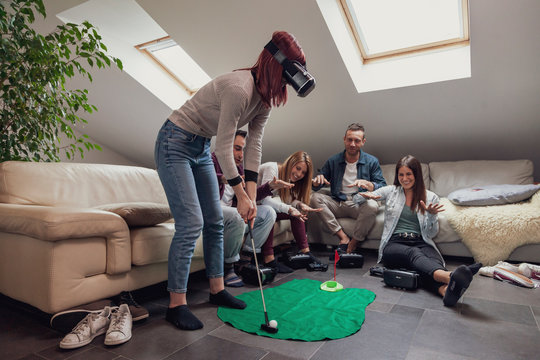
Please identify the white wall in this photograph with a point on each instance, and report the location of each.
(493, 115)
(105, 156)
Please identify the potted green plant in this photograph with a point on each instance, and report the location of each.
(38, 109)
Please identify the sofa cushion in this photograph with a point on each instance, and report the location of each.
(150, 245)
(453, 175)
(493, 194)
(76, 184)
(139, 213)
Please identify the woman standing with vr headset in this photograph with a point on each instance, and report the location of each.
(185, 166)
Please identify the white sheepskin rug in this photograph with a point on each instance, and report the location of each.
(491, 233)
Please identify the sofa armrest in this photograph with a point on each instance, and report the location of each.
(49, 223)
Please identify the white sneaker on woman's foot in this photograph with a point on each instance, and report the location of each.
(529, 270)
(94, 324)
(120, 328)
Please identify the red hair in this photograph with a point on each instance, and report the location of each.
(269, 73)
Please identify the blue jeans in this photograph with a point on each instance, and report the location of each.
(186, 170)
(236, 228)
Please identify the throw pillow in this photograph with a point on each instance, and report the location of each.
(493, 194)
(139, 213)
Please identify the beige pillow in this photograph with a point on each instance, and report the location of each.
(139, 213)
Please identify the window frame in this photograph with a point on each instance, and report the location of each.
(349, 21)
(143, 48)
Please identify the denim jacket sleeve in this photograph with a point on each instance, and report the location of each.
(377, 177)
(430, 222)
(326, 172)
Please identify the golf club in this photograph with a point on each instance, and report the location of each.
(266, 326)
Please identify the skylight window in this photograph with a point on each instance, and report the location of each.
(391, 27)
(394, 43)
(176, 62)
(167, 72)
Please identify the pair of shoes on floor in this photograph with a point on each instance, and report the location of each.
(489, 270)
(65, 320)
(115, 322)
(528, 270)
(514, 274)
(231, 279)
(137, 311)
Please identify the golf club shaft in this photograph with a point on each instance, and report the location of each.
(257, 267)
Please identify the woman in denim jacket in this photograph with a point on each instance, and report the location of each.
(410, 224)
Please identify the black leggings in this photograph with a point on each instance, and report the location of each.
(414, 255)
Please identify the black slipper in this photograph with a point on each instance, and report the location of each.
(460, 280)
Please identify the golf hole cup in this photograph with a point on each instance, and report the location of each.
(273, 323)
(331, 286)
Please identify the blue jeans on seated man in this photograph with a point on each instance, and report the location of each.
(186, 170)
(236, 228)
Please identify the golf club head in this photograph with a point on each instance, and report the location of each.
(268, 328)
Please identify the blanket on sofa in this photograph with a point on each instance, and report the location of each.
(491, 233)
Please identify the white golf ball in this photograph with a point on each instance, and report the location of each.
(273, 323)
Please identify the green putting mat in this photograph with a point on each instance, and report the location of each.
(303, 311)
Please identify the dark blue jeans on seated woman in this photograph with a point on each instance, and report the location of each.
(414, 254)
(186, 170)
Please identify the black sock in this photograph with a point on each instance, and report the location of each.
(182, 318)
(460, 280)
(342, 248)
(246, 256)
(475, 267)
(280, 267)
(227, 266)
(313, 257)
(223, 298)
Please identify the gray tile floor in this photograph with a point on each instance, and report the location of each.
(494, 320)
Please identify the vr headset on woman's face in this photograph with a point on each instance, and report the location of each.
(295, 73)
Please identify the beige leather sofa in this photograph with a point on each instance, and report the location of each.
(64, 233)
(442, 178)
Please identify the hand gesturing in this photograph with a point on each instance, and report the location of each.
(277, 184)
(432, 208)
(370, 195)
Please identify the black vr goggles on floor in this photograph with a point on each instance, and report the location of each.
(352, 260)
(398, 278)
(303, 261)
(249, 274)
(295, 73)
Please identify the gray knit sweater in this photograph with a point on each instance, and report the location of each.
(219, 108)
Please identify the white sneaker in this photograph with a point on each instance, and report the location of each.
(488, 270)
(530, 270)
(120, 328)
(94, 324)
(507, 266)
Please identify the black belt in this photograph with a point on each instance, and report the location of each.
(410, 235)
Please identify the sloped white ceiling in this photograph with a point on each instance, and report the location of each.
(495, 114)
